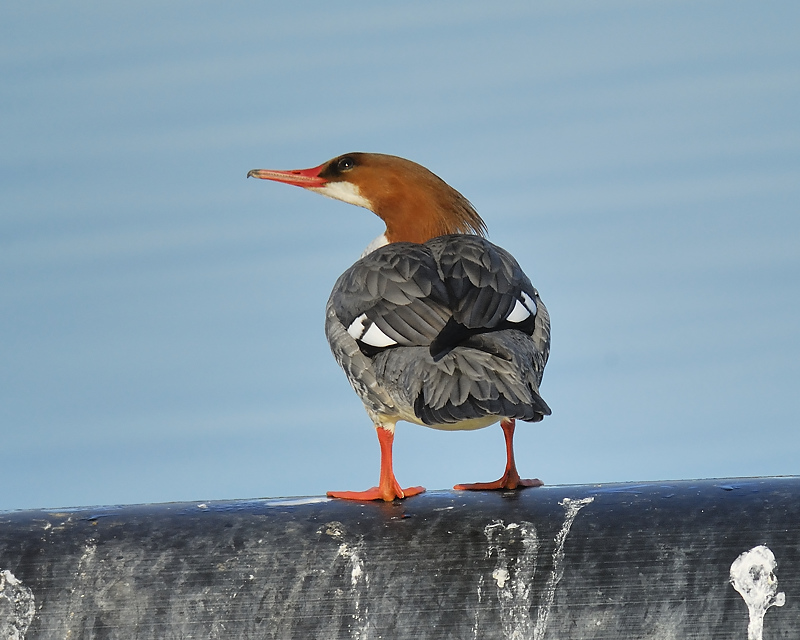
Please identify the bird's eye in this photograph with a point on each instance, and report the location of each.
(345, 164)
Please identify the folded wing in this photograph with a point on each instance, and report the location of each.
(454, 324)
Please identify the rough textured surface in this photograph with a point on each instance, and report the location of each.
(607, 561)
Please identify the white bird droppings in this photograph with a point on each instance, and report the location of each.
(500, 577)
(359, 580)
(571, 507)
(17, 607)
(516, 547)
(753, 576)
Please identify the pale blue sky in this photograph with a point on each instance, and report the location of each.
(161, 316)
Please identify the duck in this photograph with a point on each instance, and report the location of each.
(434, 324)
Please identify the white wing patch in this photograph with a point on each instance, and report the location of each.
(356, 328)
(523, 309)
(377, 338)
(371, 335)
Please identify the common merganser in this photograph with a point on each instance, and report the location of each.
(434, 324)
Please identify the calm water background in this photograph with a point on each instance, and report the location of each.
(161, 316)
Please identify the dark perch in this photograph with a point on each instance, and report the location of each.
(637, 561)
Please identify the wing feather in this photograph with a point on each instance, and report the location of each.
(445, 304)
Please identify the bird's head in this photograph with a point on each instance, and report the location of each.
(415, 204)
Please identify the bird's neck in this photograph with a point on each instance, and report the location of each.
(377, 243)
(418, 217)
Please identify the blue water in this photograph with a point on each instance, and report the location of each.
(161, 316)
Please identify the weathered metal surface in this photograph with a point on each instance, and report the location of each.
(607, 561)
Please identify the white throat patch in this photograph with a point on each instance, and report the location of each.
(344, 191)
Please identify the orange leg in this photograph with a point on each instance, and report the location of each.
(389, 488)
(510, 479)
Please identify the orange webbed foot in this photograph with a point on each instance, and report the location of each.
(510, 479)
(377, 493)
(502, 483)
(388, 489)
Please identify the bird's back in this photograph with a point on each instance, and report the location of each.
(449, 333)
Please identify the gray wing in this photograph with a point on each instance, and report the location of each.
(487, 288)
(451, 329)
(392, 297)
(358, 368)
(493, 374)
(386, 299)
